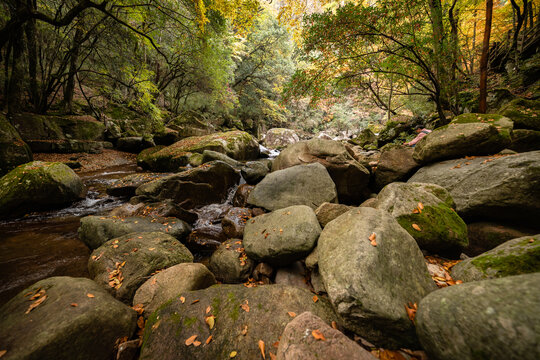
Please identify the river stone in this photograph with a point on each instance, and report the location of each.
(68, 324)
(467, 134)
(203, 185)
(293, 275)
(490, 319)
(484, 236)
(160, 209)
(395, 164)
(234, 222)
(230, 264)
(241, 195)
(525, 140)
(170, 326)
(297, 343)
(170, 282)
(254, 171)
(350, 177)
(329, 211)
(137, 256)
(283, 236)
(514, 257)
(134, 144)
(13, 151)
(238, 145)
(368, 285)
(366, 139)
(209, 155)
(278, 138)
(38, 186)
(127, 185)
(298, 185)
(96, 230)
(502, 187)
(525, 113)
(429, 207)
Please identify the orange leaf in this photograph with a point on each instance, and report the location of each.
(208, 309)
(372, 237)
(196, 343)
(411, 311)
(244, 330)
(276, 344)
(208, 340)
(36, 303)
(74, 304)
(318, 335)
(334, 325)
(416, 227)
(272, 356)
(420, 206)
(3, 352)
(291, 314)
(195, 301)
(182, 299)
(416, 211)
(261, 347)
(140, 322)
(315, 298)
(138, 308)
(90, 295)
(245, 306)
(190, 340)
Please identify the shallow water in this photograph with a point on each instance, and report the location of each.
(45, 244)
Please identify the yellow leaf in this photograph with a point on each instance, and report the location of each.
(261, 347)
(416, 227)
(210, 320)
(232, 354)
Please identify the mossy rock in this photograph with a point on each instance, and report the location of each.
(45, 127)
(38, 186)
(13, 150)
(190, 124)
(524, 140)
(524, 113)
(365, 138)
(514, 257)
(261, 312)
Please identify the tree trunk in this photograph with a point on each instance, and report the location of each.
(473, 44)
(484, 58)
(439, 50)
(74, 57)
(31, 46)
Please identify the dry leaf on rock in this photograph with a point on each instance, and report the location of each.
(190, 340)
(182, 299)
(261, 347)
(416, 227)
(245, 306)
(90, 295)
(291, 314)
(36, 303)
(232, 354)
(318, 335)
(208, 340)
(411, 310)
(315, 298)
(74, 304)
(210, 321)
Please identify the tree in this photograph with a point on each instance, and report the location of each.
(484, 59)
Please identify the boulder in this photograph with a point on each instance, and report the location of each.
(238, 145)
(97, 230)
(50, 127)
(241, 318)
(241, 195)
(68, 146)
(38, 186)
(206, 238)
(64, 318)
(13, 151)
(366, 139)
(514, 257)
(524, 113)
(468, 134)
(127, 185)
(230, 264)
(293, 275)
(395, 164)
(498, 187)
(134, 144)
(298, 343)
(191, 124)
(279, 138)
(490, 319)
(209, 155)
(123, 264)
(484, 236)
(396, 130)
(524, 140)
(329, 211)
(254, 171)
(426, 212)
(283, 236)
(234, 222)
(368, 282)
(159, 209)
(203, 185)
(350, 177)
(166, 137)
(169, 283)
(369, 159)
(298, 185)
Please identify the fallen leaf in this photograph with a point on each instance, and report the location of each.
(190, 340)
(291, 314)
(74, 304)
(244, 330)
(210, 320)
(416, 211)
(420, 206)
(195, 301)
(315, 298)
(411, 310)
(3, 352)
(36, 303)
(318, 335)
(245, 306)
(156, 325)
(182, 299)
(38, 294)
(232, 354)
(139, 308)
(261, 347)
(208, 309)
(196, 343)
(334, 325)
(416, 227)
(272, 356)
(208, 340)
(276, 344)
(390, 355)
(459, 282)
(90, 295)
(372, 238)
(154, 281)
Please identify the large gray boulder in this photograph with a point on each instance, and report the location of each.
(514, 257)
(329, 211)
(369, 284)
(38, 186)
(96, 230)
(278, 138)
(76, 319)
(283, 236)
(503, 187)
(127, 185)
(254, 171)
(203, 185)
(13, 151)
(491, 319)
(426, 212)
(350, 177)
(241, 318)
(298, 185)
(396, 163)
(170, 282)
(298, 342)
(467, 134)
(230, 264)
(123, 264)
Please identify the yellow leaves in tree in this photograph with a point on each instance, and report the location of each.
(261, 347)
(318, 335)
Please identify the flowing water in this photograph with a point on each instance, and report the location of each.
(45, 244)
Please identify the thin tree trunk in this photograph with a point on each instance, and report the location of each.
(484, 58)
(74, 57)
(473, 44)
(31, 46)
